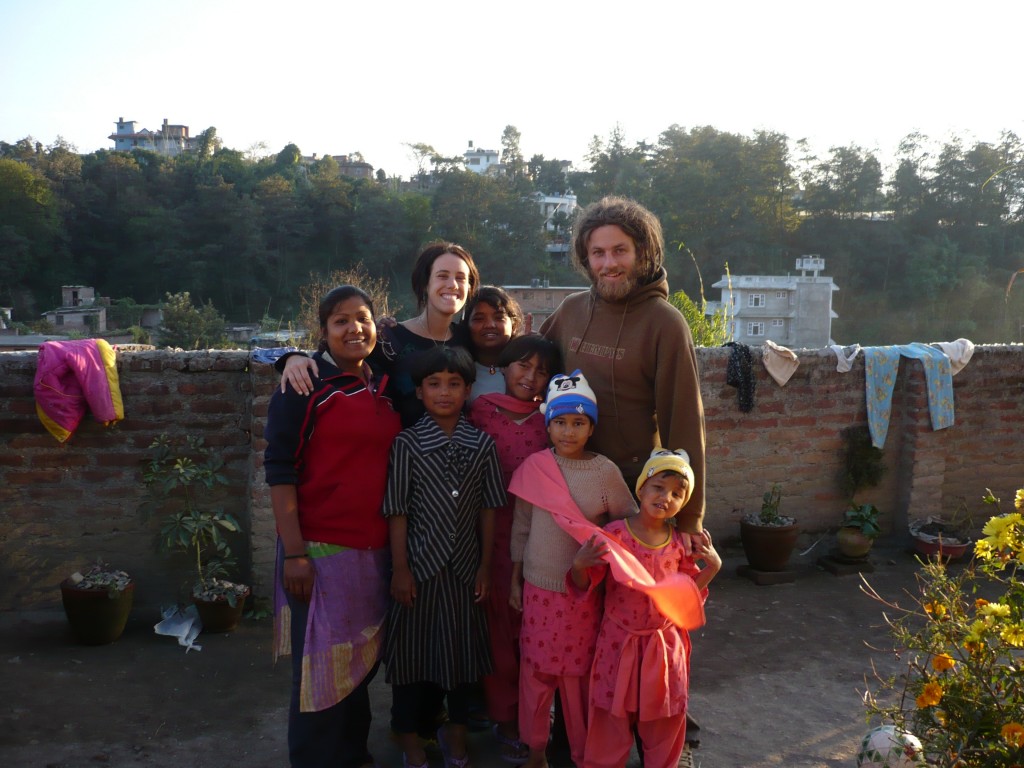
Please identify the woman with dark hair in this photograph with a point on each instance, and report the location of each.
(444, 278)
(326, 463)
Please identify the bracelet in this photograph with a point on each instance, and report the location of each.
(292, 557)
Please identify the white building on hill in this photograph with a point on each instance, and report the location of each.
(793, 310)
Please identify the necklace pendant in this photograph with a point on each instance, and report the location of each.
(492, 370)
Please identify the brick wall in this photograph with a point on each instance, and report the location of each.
(63, 506)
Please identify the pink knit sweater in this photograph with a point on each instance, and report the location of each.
(540, 544)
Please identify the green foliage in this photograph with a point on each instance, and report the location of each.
(244, 229)
(770, 503)
(189, 327)
(863, 517)
(140, 335)
(708, 330)
(180, 477)
(962, 691)
(863, 465)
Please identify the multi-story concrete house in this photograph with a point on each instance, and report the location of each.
(792, 310)
(481, 160)
(170, 140)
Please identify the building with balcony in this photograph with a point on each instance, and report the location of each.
(170, 140)
(792, 310)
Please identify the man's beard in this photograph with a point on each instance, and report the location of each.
(616, 291)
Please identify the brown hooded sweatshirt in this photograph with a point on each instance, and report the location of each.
(638, 357)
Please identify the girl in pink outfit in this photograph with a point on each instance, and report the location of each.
(640, 676)
(559, 631)
(515, 422)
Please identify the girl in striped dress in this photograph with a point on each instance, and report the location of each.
(444, 483)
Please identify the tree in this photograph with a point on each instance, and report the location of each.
(422, 154)
(207, 143)
(31, 255)
(189, 327)
(548, 176)
(511, 155)
(312, 293)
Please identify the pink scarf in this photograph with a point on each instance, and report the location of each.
(539, 481)
(509, 403)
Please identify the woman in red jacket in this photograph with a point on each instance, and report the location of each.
(326, 462)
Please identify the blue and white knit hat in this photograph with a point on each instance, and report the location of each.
(569, 394)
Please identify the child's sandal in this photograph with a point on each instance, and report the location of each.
(449, 761)
(407, 764)
(512, 751)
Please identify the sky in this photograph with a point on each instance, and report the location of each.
(337, 77)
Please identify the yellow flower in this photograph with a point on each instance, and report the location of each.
(942, 662)
(983, 549)
(1018, 500)
(1013, 634)
(936, 610)
(977, 632)
(995, 610)
(1013, 734)
(996, 526)
(930, 695)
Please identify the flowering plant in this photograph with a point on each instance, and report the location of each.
(962, 692)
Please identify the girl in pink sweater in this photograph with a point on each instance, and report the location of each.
(641, 667)
(515, 422)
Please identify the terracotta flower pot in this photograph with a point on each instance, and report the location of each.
(768, 547)
(219, 615)
(944, 549)
(853, 543)
(96, 616)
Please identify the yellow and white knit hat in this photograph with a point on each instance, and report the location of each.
(664, 460)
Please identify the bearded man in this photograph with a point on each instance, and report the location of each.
(634, 347)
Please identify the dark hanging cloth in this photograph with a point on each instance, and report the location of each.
(739, 374)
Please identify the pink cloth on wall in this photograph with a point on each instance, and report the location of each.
(539, 481)
(73, 377)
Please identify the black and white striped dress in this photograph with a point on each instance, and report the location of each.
(440, 484)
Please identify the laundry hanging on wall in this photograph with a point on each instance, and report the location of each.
(880, 367)
(73, 377)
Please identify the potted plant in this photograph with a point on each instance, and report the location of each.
(97, 603)
(768, 536)
(859, 530)
(863, 467)
(946, 537)
(179, 478)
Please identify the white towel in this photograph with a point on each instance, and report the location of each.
(959, 353)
